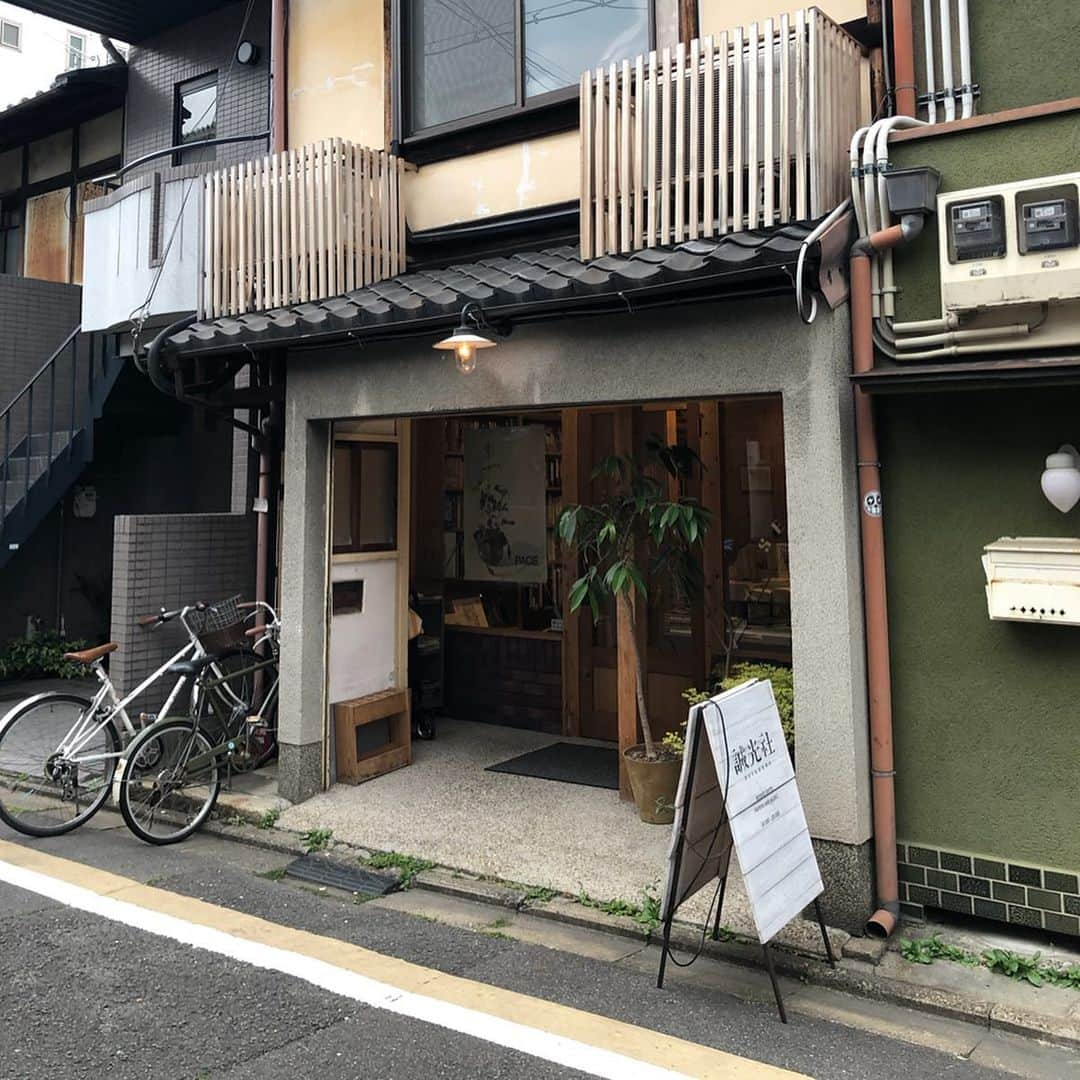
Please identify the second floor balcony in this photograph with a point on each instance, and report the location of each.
(277, 230)
(746, 130)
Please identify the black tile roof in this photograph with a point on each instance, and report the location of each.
(512, 287)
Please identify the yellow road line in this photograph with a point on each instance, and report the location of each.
(654, 1050)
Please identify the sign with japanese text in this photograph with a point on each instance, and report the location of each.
(741, 783)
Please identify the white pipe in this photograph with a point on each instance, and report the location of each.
(958, 337)
(856, 183)
(964, 23)
(813, 237)
(928, 35)
(945, 11)
(881, 161)
(928, 326)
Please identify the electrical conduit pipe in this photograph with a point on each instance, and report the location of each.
(883, 921)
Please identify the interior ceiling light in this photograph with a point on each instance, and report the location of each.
(467, 338)
(1061, 479)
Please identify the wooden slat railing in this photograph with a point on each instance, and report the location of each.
(301, 225)
(744, 131)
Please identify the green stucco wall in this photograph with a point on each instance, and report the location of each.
(994, 155)
(1023, 52)
(986, 714)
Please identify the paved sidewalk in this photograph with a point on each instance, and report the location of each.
(872, 972)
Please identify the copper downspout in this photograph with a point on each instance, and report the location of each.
(903, 43)
(883, 921)
(278, 105)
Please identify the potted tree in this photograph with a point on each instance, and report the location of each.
(635, 533)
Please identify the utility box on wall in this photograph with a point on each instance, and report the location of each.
(1033, 579)
(1010, 244)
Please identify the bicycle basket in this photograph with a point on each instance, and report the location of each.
(219, 627)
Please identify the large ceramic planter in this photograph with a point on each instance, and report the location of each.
(654, 784)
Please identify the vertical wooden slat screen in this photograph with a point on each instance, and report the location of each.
(746, 130)
(301, 225)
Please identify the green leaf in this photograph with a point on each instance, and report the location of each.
(578, 591)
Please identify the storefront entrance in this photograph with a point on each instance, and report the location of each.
(463, 511)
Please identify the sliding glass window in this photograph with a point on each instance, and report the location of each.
(469, 60)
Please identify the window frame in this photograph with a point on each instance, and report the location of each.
(356, 448)
(543, 114)
(73, 35)
(197, 82)
(4, 24)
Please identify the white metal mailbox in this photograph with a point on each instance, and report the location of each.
(1033, 579)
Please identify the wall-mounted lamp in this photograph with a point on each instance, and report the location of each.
(466, 339)
(1061, 479)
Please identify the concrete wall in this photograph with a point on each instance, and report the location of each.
(717, 15)
(43, 54)
(168, 560)
(186, 52)
(749, 347)
(987, 742)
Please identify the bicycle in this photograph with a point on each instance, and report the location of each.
(59, 750)
(171, 776)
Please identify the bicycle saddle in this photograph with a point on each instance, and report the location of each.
(190, 669)
(88, 656)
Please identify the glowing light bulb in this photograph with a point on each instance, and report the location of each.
(466, 357)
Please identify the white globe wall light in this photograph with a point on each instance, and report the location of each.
(1061, 478)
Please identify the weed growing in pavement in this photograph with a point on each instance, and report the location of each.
(646, 914)
(273, 875)
(539, 894)
(237, 821)
(1029, 969)
(269, 819)
(316, 840)
(409, 865)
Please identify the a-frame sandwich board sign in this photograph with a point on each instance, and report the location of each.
(737, 790)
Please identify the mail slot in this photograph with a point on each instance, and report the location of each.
(1033, 579)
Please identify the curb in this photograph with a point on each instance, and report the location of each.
(804, 966)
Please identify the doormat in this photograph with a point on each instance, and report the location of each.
(319, 870)
(571, 763)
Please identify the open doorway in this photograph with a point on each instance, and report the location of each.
(466, 521)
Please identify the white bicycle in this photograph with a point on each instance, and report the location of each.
(59, 750)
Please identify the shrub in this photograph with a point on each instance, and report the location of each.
(40, 656)
(783, 691)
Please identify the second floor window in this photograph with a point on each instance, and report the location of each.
(196, 116)
(76, 51)
(470, 60)
(10, 35)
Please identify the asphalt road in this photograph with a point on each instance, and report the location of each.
(84, 996)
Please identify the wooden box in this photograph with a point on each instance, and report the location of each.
(358, 757)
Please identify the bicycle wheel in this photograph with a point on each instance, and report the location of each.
(42, 791)
(243, 706)
(167, 801)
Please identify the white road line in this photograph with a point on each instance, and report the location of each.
(571, 1053)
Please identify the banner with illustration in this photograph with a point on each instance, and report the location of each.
(504, 513)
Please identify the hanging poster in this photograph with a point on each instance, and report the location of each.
(505, 506)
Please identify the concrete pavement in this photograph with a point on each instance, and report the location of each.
(166, 1009)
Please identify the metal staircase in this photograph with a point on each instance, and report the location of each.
(47, 432)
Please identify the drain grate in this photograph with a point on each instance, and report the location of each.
(355, 879)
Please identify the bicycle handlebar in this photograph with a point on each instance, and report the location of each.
(164, 616)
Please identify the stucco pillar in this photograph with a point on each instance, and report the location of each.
(828, 657)
(301, 714)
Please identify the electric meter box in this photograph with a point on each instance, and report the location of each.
(1010, 244)
(1033, 579)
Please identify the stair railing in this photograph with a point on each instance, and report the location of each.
(42, 382)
